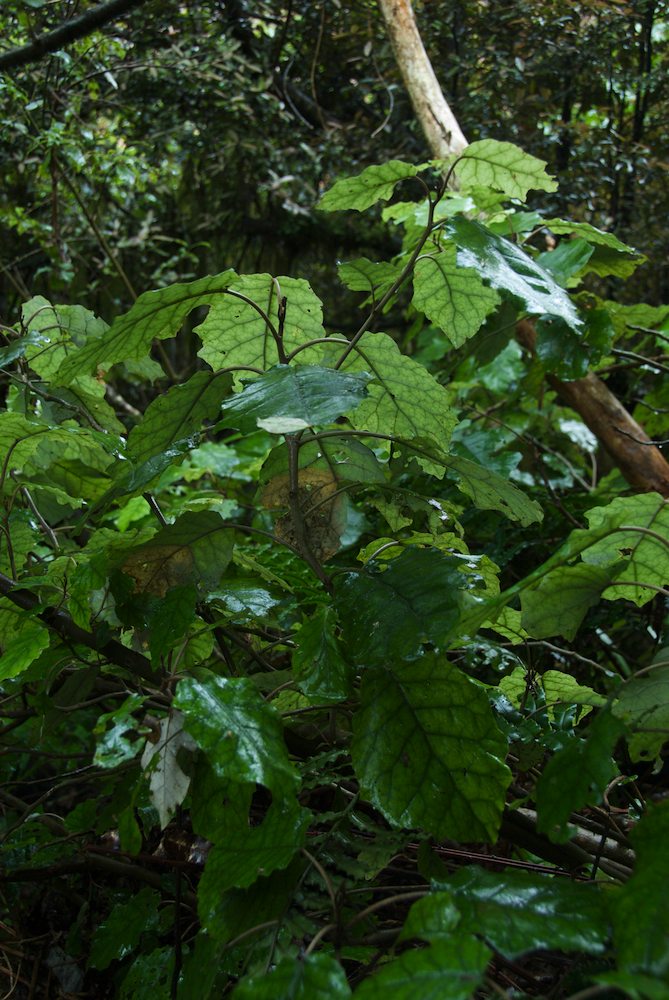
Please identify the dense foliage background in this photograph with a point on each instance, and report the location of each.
(326, 668)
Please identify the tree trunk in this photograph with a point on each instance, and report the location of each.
(639, 461)
(442, 131)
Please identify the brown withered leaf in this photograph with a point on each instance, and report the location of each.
(157, 569)
(324, 518)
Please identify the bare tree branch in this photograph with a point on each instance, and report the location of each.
(64, 34)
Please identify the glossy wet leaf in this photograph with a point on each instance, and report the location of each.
(516, 912)
(240, 734)
(490, 163)
(390, 610)
(292, 398)
(447, 970)
(453, 298)
(375, 183)
(505, 267)
(427, 750)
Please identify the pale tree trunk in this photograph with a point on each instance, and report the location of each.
(639, 461)
(442, 131)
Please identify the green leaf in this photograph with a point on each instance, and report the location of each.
(507, 268)
(569, 353)
(431, 918)
(375, 183)
(292, 398)
(150, 976)
(266, 901)
(155, 315)
(236, 332)
(609, 257)
(363, 275)
(558, 603)
(447, 970)
(22, 639)
(240, 734)
(576, 776)
(177, 414)
(194, 550)
(454, 298)
(54, 332)
(489, 163)
(244, 853)
(391, 609)
(308, 977)
(641, 909)
(319, 667)
(120, 933)
(427, 751)
(559, 689)
(169, 619)
(636, 530)
(120, 741)
(566, 260)
(516, 912)
(643, 705)
(490, 491)
(404, 400)
(343, 460)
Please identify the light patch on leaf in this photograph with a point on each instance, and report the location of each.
(168, 782)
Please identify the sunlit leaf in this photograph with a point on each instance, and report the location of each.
(375, 183)
(452, 297)
(489, 163)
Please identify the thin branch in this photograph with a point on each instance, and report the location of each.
(66, 33)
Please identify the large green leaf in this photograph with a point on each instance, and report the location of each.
(22, 639)
(641, 909)
(609, 256)
(516, 912)
(390, 610)
(576, 776)
(363, 275)
(194, 550)
(570, 353)
(155, 315)
(447, 970)
(319, 667)
(118, 935)
(558, 603)
(452, 297)
(176, 414)
(236, 330)
(240, 734)
(308, 977)
(507, 268)
(427, 750)
(404, 400)
(489, 163)
(643, 705)
(54, 331)
(636, 531)
(244, 853)
(375, 183)
(290, 398)
(490, 491)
